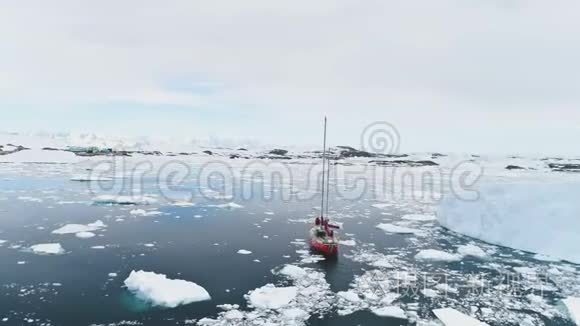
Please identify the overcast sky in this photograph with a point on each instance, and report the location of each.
(464, 76)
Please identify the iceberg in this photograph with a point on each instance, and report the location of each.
(573, 306)
(535, 217)
(161, 291)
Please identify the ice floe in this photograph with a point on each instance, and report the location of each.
(231, 205)
(142, 212)
(437, 255)
(159, 290)
(392, 228)
(84, 235)
(452, 317)
(77, 228)
(47, 249)
(390, 311)
(471, 250)
(272, 297)
(281, 305)
(244, 252)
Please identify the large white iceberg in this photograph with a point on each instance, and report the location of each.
(538, 217)
(162, 291)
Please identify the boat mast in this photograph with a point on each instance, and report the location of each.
(327, 184)
(323, 173)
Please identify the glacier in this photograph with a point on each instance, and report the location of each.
(539, 217)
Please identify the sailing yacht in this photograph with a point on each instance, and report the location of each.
(322, 234)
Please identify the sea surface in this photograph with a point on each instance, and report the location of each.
(200, 243)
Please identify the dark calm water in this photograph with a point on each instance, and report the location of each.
(198, 243)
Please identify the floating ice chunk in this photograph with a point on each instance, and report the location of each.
(471, 250)
(294, 314)
(98, 247)
(244, 252)
(391, 311)
(391, 228)
(350, 242)
(124, 200)
(159, 290)
(272, 297)
(112, 275)
(84, 235)
(21, 262)
(293, 271)
(47, 249)
(231, 205)
(437, 255)
(430, 293)
(183, 204)
(76, 228)
(419, 217)
(573, 306)
(350, 296)
(452, 317)
(142, 212)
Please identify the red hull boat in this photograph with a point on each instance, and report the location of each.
(323, 242)
(322, 237)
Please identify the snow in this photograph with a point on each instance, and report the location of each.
(539, 217)
(272, 297)
(39, 156)
(244, 252)
(390, 311)
(573, 306)
(452, 317)
(47, 249)
(437, 255)
(471, 251)
(124, 200)
(83, 229)
(161, 291)
(391, 228)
